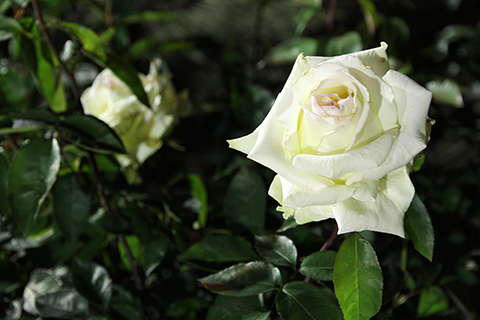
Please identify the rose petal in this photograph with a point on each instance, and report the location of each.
(293, 197)
(265, 146)
(412, 103)
(386, 214)
(374, 58)
(335, 166)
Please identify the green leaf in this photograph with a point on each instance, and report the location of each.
(40, 283)
(279, 250)
(245, 201)
(247, 314)
(357, 278)
(221, 248)
(124, 303)
(290, 223)
(3, 184)
(446, 91)
(419, 229)
(289, 50)
(125, 72)
(432, 300)
(16, 85)
(40, 115)
(8, 27)
(30, 177)
(199, 192)
(319, 265)
(302, 301)
(150, 16)
(346, 43)
(65, 303)
(154, 254)
(244, 279)
(71, 206)
(92, 281)
(91, 133)
(225, 304)
(89, 39)
(43, 67)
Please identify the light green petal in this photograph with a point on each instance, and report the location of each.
(374, 58)
(335, 166)
(385, 214)
(413, 102)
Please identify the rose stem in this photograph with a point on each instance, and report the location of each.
(43, 30)
(331, 14)
(91, 159)
(330, 240)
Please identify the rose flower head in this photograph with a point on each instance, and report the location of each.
(140, 128)
(341, 136)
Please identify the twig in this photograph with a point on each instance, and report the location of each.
(131, 261)
(44, 31)
(466, 313)
(331, 15)
(108, 211)
(330, 240)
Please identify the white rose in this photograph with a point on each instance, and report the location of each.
(140, 128)
(340, 136)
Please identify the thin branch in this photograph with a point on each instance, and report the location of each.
(108, 211)
(131, 261)
(330, 240)
(332, 8)
(46, 36)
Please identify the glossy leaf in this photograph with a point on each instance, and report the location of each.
(30, 177)
(65, 303)
(8, 27)
(40, 283)
(125, 304)
(446, 91)
(226, 304)
(419, 229)
(92, 281)
(305, 301)
(279, 250)
(245, 201)
(39, 115)
(89, 39)
(154, 254)
(319, 265)
(247, 314)
(432, 300)
(290, 223)
(357, 279)
(199, 192)
(221, 248)
(71, 206)
(91, 133)
(244, 279)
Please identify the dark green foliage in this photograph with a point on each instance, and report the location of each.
(199, 238)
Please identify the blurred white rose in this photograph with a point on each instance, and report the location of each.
(140, 128)
(340, 136)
